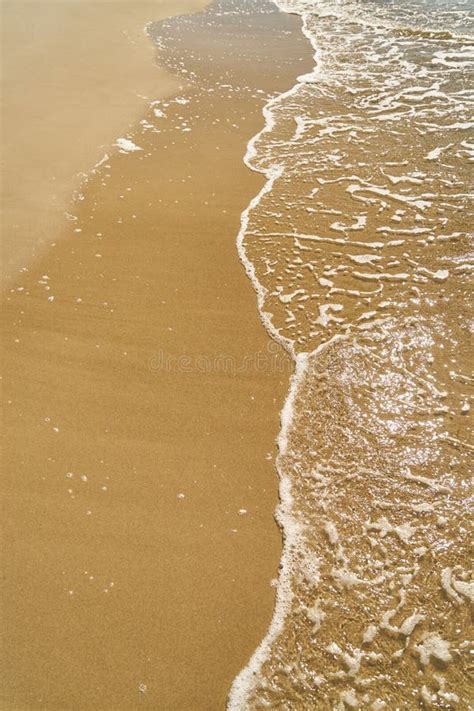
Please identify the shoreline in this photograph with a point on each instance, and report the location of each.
(252, 294)
(243, 683)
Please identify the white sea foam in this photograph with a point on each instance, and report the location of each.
(126, 145)
(243, 683)
(412, 201)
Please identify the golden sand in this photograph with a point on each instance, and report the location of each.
(141, 394)
(74, 76)
(138, 528)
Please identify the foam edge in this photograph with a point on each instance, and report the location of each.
(245, 681)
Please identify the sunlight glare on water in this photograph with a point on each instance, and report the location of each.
(360, 250)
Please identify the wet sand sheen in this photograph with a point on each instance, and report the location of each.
(133, 576)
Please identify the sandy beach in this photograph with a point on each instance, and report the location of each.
(141, 392)
(236, 389)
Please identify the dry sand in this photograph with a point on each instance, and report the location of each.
(132, 577)
(75, 74)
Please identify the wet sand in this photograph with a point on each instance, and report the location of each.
(139, 496)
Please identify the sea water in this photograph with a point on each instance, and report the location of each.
(359, 249)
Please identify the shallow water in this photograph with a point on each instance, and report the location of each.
(359, 249)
